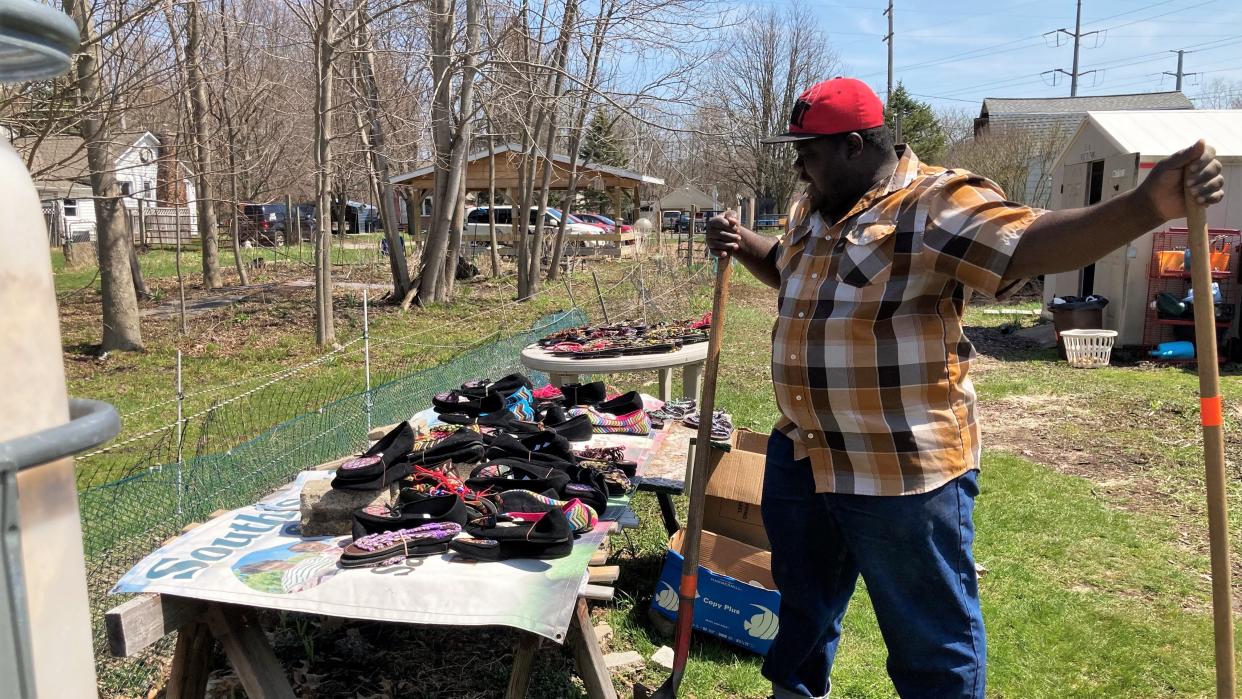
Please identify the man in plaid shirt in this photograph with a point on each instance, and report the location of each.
(873, 467)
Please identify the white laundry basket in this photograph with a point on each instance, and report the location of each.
(1088, 349)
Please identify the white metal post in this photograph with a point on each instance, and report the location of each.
(366, 351)
(180, 435)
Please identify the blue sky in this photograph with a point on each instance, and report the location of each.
(953, 54)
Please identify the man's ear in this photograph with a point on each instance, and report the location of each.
(853, 145)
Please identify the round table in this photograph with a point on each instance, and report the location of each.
(567, 370)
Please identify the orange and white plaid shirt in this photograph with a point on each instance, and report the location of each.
(869, 360)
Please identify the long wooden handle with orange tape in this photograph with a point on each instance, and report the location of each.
(1213, 446)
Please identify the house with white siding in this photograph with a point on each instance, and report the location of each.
(146, 171)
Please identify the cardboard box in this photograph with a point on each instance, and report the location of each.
(737, 599)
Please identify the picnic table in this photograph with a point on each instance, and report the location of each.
(566, 370)
(284, 572)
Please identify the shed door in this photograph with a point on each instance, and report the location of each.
(1074, 186)
(1117, 277)
(1120, 175)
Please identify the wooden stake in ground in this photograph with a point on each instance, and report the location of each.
(1213, 445)
(698, 491)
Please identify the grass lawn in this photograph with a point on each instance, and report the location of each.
(1090, 521)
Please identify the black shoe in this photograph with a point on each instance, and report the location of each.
(542, 447)
(461, 447)
(509, 384)
(623, 404)
(385, 463)
(550, 537)
(584, 393)
(500, 475)
(459, 402)
(412, 509)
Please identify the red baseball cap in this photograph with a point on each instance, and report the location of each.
(840, 105)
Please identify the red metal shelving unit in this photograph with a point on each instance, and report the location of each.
(1157, 329)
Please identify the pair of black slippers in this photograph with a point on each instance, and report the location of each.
(479, 397)
(595, 395)
(575, 429)
(385, 463)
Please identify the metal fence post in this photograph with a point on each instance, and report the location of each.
(180, 436)
(366, 353)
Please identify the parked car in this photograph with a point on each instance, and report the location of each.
(264, 224)
(476, 221)
(608, 224)
(669, 219)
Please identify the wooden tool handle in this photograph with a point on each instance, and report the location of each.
(1213, 445)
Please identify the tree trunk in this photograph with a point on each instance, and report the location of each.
(325, 329)
(557, 84)
(442, 19)
(575, 142)
(448, 179)
(121, 329)
(379, 160)
(232, 149)
(202, 150)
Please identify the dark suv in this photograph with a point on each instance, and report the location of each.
(264, 224)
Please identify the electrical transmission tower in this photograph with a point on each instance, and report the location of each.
(1180, 73)
(1077, 35)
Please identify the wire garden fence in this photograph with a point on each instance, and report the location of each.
(138, 492)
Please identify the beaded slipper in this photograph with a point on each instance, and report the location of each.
(374, 549)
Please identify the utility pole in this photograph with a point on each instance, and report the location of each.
(1077, 35)
(889, 40)
(1180, 73)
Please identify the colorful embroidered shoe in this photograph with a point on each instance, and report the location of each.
(635, 422)
(528, 506)
(548, 393)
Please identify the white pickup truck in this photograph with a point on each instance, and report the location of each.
(476, 221)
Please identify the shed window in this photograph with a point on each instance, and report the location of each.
(71, 207)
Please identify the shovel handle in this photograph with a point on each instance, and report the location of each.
(1213, 445)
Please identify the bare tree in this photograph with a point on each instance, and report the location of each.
(202, 148)
(325, 48)
(1220, 93)
(785, 52)
(450, 142)
(365, 64)
(231, 132)
(1019, 160)
(121, 329)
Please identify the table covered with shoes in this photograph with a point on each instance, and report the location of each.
(484, 509)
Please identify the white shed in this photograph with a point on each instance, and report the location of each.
(1110, 154)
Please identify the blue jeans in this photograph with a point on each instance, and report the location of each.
(914, 554)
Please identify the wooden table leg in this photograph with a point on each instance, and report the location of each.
(248, 651)
(588, 656)
(188, 677)
(523, 660)
(666, 384)
(692, 380)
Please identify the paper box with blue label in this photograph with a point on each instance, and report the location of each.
(737, 600)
